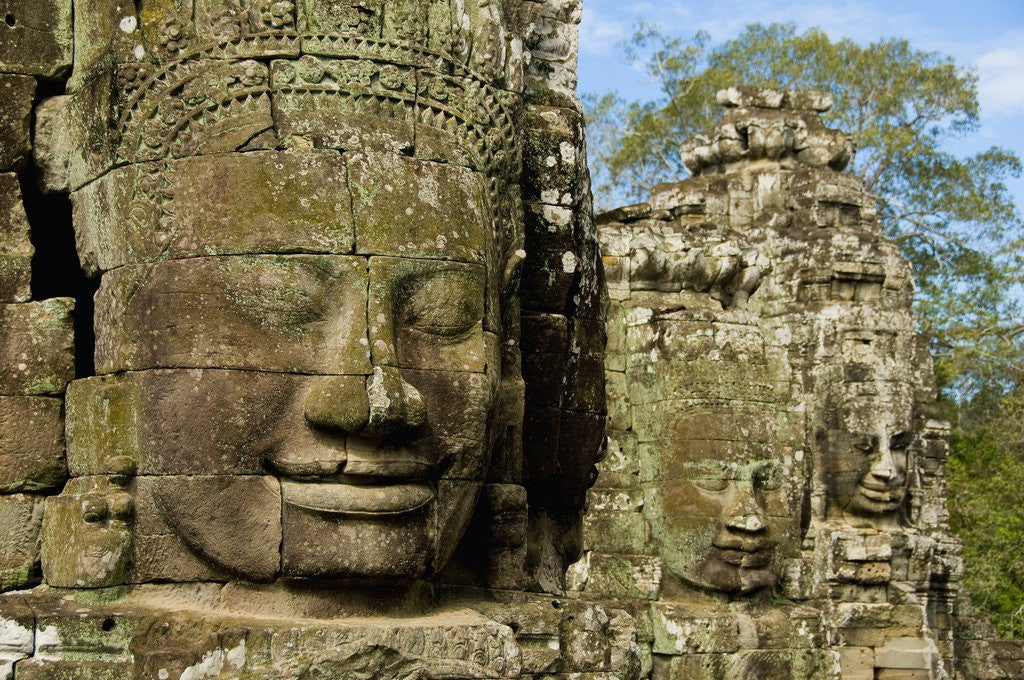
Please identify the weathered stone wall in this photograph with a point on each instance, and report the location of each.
(332, 237)
(771, 423)
(36, 336)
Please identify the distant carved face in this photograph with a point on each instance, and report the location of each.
(722, 502)
(867, 455)
(868, 419)
(722, 523)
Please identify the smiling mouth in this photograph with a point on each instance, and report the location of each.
(876, 493)
(361, 500)
(743, 553)
(359, 478)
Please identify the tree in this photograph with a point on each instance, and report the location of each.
(952, 216)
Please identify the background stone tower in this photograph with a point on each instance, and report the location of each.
(770, 228)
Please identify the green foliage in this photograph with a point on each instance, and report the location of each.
(986, 492)
(953, 216)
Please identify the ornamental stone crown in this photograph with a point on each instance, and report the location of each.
(173, 81)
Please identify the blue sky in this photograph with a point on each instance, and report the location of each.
(986, 34)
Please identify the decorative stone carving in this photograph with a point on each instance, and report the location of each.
(316, 253)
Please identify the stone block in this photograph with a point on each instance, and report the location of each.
(903, 674)
(406, 207)
(86, 534)
(21, 517)
(615, 532)
(16, 97)
(31, 444)
(907, 653)
(17, 633)
(35, 37)
(266, 202)
(289, 313)
(553, 169)
(628, 576)
(15, 246)
(694, 628)
(75, 669)
(857, 663)
(584, 639)
(550, 269)
(36, 347)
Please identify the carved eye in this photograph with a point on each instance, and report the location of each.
(447, 304)
(900, 440)
(866, 444)
(767, 477)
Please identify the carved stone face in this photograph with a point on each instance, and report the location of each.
(868, 455)
(300, 414)
(722, 500)
(722, 523)
(869, 424)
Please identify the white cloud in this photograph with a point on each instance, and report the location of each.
(599, 33)
(1001, 77)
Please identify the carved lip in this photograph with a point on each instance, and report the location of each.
(880, 494)
(748, 552)
(746, 559)
(338, 498)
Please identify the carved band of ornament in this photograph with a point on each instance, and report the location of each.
(288, 45)
(163, 114)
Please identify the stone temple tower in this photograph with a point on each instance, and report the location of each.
(772, 426)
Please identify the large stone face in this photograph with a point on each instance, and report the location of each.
(309, 227)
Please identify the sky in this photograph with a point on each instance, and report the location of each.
(985, 34)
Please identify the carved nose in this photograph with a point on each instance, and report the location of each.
(749, 523)
(380, 404)
(395, 405)
(883, 467)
